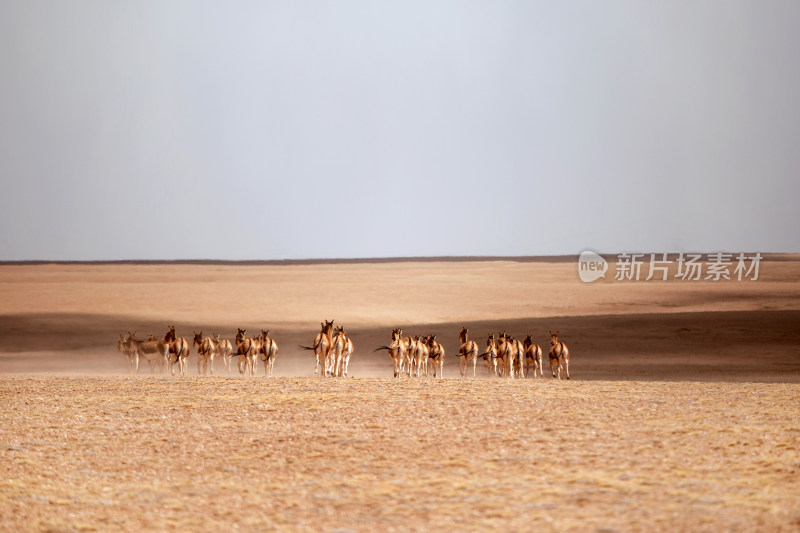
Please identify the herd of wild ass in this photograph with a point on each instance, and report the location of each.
(412, 356)
(174, 350)
(504, 356)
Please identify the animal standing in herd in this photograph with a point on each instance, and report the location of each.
(178, 351)
(156, 352)
(206, 349)
(332, 350)
(397, 351)
(268, 352)
(224, 351)
(468, 352)
(533, 357)
(559, 355)
(416, 356)
(247, 350)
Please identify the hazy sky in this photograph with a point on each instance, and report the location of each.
(267, 130)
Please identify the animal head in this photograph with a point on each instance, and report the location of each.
(463, 334)
(215, 336)
(240, 334)
(198, 337)
(152, 338)
(553, 338)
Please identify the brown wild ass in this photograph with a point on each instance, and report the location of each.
(559, 355)
(467, 352)
(410, 362)
(436, 357)
(247, 350)
(533, 357)
(348, 351)
(421, 355)
(322, 347)
(156, 352)
(206, 349)
(341, 350)
(519, 357)
(129, 351)
(336, 351)
(178, 351)
(268, 351)
(224, 351)
(490, 356)
(397, 351)
(505, 355)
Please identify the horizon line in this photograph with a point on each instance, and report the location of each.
(559, 258)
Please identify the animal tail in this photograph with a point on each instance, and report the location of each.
(381, 348)
(308, 347)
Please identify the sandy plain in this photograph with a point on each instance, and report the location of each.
(681, 414)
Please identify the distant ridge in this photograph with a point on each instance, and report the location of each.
(371, 260)
(288, 262)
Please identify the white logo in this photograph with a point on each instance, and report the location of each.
(591, 267)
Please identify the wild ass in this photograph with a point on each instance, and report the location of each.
(129, 351)
(321, 347)
(340, 352)
(410, 362)
(505, 355)
(206, 349)
(533, 357)
(518, 351)
(224, 351)
(436, 356)
(559, 355)
(268, 352)
(348, 351)
(247, 350)
(178, 351)
(335, 353)
(421, 355)
(490, 355)
(467, 352)
(156, 352)
(397, 351)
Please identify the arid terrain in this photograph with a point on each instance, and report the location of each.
(681, 414)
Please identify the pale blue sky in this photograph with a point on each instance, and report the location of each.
(269, 130)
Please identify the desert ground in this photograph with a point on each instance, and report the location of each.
(681, 413)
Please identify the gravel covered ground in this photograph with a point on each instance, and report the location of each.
(370, 454)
